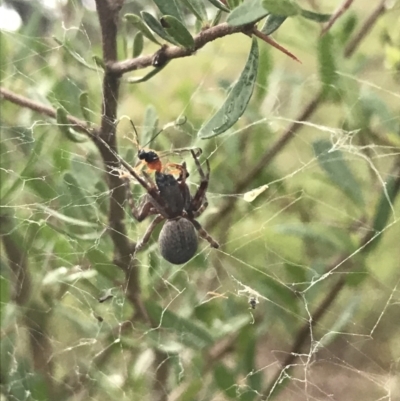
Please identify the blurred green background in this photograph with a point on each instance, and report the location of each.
(322, 241)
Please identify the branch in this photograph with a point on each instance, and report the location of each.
(172, 52)
(107, 144)
(304, 333)
(365, 28)
(292, 129)
(336, 15)
(270, 41)
(22, 101)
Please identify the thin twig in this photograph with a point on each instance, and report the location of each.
(304, 333)
(365, 28)
(336, 15)
(172, 52)
(289, 133)
(272, 42)
(22, 101)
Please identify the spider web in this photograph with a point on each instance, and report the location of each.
(286, 250)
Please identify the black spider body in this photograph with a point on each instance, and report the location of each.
(170, 199)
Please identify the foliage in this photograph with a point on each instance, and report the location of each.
(316, 249)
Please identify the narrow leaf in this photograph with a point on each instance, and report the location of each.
(327, 67)
(333, 163)
(248, 12)
(64, 126)
(285, 8)
(138, 23)
(272, 23)
(150, 125)
(177, 31)
(197, 8)
(66, 219)
(345, 316)
(33, 158)
(384, 209)
(137, 45)
(237, 99)
(84, 103)
(75, 55)
(194, 334)
(315, 16)
(100, 262)
(146, 77)
(86, 208)
(156, 27)
(169, 7)
(221, 6)
(320, 234)
(225, 380)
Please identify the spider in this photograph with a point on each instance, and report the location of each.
(169, 198)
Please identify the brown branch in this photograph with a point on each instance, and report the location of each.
(272, 42)
(365, 28)
(107, 144)
(268, 156)
(290, 131)
(336, 15)
(172, 52)
(34, 317)
(22, 101)
(304, 333)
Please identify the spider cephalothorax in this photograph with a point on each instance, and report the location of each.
(170, 199)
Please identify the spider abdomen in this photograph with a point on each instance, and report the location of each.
(178, 241)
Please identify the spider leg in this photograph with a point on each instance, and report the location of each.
(145, 208)
(204, 234)
(149, 231)
(201, 209)
(201, 191)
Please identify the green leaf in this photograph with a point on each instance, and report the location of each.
(315, 16)
(187, 331)
(225, 380)
(219, 5)
(384, 208)
(150, 125)
(232, 4)
(137, 45)
(33, 158)
(265, 67)
(344, 316)
(327, 67)
(87, 209)
(169, 7)
(248, 12)
(100, 261)
(285, 8)
(237, 99)
(75, 55)
(191, 390)
(156, 27)
(99, 62)
(84, 103)
(66, 219)
(321, 234)
(137, 80)
(197, 8)
(137, 22)
(272, 23)
(177, 31)
(333, 163)
(64, 126)
(4, 294)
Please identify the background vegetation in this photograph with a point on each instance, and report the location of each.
(318, 251)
